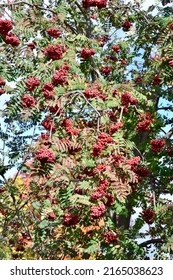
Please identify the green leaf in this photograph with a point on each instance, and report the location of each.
(43, 224)
(36, 205)
(84, 185)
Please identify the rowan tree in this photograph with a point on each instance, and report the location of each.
(88, 128)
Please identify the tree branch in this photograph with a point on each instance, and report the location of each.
(169, 134)
(152, 241)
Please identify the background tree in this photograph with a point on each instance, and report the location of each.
(84, 130)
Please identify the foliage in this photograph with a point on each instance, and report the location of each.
(86, 82)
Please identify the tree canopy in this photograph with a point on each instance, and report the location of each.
(88, 127)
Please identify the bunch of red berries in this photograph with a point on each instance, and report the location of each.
(103, 40)
(115, 127)
(127, 99)
(47, 90)
(103, 139)
(157, 145)
(171, 26)
(110, 237)
(144, 123)
(67, 123)
(60, 77)
(9, 38)
(2, 84)
(55, 109)
(45, 155)
(91, 92)
(141, 171)
(100, 168)
(12, 40)
(170, 63)
(53, 32)
(106, 70)
(170, 151)
(48, 125)
(32, 83)
(126, 25)
(51, 216)
(97, 210)
(5, 26)
(28, 101)
(149, 215)
(31, 45)
(133, 162)
(117, 159)
(70, 219)
(116, 48)
(156, 80)
(55, 52)
(86, 53)
(94, 3)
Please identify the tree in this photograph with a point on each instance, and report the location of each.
(83, 128)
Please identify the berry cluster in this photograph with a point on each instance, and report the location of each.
(51, 216)
(156, 80)
(48, 125)
(91, 92)
(170, 151)
(101, 190)
(97, 211)
(86, 53)
(171, 26)
(103, 139)
(55, 109)
(111, 57)
(126, 25)
(2, 84)
(94, 3)
(103, 40)
(100, 168)
(116, 48)
(106, 70)
(127, 99)
(5, 26)
(55, 52)
(148, 215)
(70, 219)
(32, 83)
(31, 45)
(157, 145)
(53, 32)
(141, 171)
(28, 101)
(117, 159)
(12, 40)
(67, 123)
(133, 162)
(115, 127)
(110, 237)
(60, 77)
(45, 155)
(48, 91)
(9, 38)
(44, 138)
(144, 123)
(170, 63)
